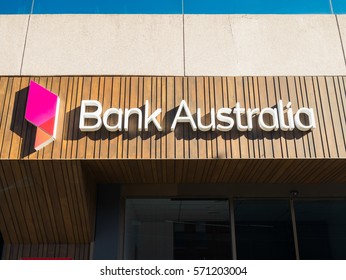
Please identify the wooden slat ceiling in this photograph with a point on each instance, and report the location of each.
(251, 171)
(70, 251)
(46, 202)
(326, 95)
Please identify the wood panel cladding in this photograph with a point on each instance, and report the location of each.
(46, 202)
(326, 95)
(222, 171)
(70, 251)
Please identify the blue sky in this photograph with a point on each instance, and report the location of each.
(172, 6)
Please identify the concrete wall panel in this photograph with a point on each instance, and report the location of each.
(12, 39)
(263, 45)
(342, 26)
(104, 45)
(153, 45)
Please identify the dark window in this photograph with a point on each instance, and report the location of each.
(1, 245)
(177, 229)
(321, 229)
(264, 230)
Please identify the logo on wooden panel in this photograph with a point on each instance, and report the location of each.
(42, 110)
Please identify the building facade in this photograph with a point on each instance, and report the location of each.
(173, 129)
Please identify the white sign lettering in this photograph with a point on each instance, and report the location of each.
(269, 119)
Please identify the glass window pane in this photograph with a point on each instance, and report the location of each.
(321, 229)
(108, 7)
(257, 7)
(264, 230)
(177, 229)
(1, 245)
(15, 7)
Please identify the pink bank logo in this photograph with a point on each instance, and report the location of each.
(42, 110)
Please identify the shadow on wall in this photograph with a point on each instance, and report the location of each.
(183, 131)
(22, 127)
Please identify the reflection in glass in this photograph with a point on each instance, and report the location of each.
(264, 230)
(177, 229)
(321, 229)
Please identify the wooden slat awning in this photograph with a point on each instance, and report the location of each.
(326, 95)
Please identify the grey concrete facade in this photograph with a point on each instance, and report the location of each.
(104, 45)
(256, 45)
(191, 45)
(12, 40)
